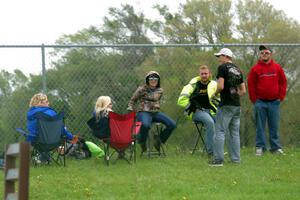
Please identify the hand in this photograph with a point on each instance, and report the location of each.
(130, 109)
(75, 139)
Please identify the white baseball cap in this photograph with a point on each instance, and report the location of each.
(224, 52)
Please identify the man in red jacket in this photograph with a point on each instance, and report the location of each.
(267, 88)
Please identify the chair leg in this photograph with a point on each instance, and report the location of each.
(155, 132)
(161, 147)
(34, 157)
(134, 151)
(148, 145)
(106, 152)
(199, 135)
(64, 154)
(196, 143)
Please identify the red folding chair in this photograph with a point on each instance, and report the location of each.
(123, 131)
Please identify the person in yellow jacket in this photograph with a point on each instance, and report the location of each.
(200, 103)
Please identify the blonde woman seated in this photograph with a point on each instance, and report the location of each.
(99, 124)
(39, 103)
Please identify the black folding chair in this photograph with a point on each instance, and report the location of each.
(200, 128)
(50, 140)
(154, 134)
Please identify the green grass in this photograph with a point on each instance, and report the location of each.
(178, 176)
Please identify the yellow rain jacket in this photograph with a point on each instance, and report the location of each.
(184, 98)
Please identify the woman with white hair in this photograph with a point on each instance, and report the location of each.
(102, 108)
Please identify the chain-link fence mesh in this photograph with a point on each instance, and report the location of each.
(74, 76)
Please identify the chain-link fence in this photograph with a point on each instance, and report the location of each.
(73, 76)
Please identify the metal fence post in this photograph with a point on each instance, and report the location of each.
(44, 84)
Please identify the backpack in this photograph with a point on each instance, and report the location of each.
(84, 149)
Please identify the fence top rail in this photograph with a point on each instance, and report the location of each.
(151, 45)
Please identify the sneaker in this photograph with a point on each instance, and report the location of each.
(157, 143)
(258, 151)
(37, 160)
(215, 163)
(235, 162)
(278, 151)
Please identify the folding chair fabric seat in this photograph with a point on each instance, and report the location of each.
(50, 138)
(122, 135)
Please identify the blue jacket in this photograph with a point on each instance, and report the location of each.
(32, 121)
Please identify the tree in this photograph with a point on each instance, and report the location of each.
(198, 21)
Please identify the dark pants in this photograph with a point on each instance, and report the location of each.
(147, 118)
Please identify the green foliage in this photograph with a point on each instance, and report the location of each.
(260, 22)
(197, 21)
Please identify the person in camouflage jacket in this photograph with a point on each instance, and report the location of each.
(146, 102)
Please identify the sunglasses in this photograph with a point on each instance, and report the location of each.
(153, 79)
(265, 53)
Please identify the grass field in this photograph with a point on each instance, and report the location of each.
(178, 176)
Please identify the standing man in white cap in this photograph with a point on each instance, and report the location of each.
(267, 88)
(231, 85)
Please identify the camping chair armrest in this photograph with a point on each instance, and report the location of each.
(24, 133)
(137, 128)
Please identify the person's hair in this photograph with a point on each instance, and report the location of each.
(153, 74)
(37, 99)
(101, 106)
(204, 67)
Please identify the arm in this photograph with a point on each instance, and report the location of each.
(68, 134)
(31, 127)
(133, 99)
(184, 98)
(282, 84)
(252, 80)
(220, 85)
(242, 89)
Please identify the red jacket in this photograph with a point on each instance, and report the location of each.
(266, 81)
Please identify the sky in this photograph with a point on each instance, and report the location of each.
(30, 22)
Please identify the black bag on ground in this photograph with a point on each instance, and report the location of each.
(79, 150)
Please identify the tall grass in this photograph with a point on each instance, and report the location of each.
(178, 176)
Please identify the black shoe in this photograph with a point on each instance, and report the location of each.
(157, 142)
(215, 163)
(143, 147)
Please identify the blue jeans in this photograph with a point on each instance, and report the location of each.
(267, 111)
(204, 116)
(147, 118)
(227, 123)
